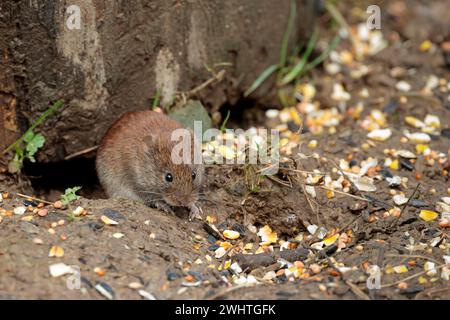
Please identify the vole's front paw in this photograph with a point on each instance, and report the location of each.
(161, 205)
(195, 212)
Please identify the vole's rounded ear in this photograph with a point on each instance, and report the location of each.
(148, 142)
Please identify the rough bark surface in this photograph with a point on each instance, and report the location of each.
(123, 53)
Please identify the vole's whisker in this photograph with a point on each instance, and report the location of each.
(145, 191)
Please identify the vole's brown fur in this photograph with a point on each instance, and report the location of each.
(134, 158)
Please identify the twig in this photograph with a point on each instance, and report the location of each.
(350, 223)
(79, 153)
(412, 256)
(224, 292)
(357, 291)
(216, 77)
(409, 199)
(345, 193)
(33, 198)
(409, 278)
(394, 223)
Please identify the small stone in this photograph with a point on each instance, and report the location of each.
(113, 214)
(28, 227)
(172, 276)
(418, 203)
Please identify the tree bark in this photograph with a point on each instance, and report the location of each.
(123, 53)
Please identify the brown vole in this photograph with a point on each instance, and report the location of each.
(134, 162)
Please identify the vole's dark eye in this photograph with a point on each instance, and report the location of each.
(193, 175)
(168, 177)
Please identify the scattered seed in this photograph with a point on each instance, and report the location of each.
(428, 215)
(105, 290)
(108, 221)
(42, 212)
(38, 241)
(60, 269)
(56, 251)
(57, 205)
(135, 285)
(20, 210)
(231, 234)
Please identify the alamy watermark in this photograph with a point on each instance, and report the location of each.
(73, 281)
(374, 279)
(374, 20)
(73, 21)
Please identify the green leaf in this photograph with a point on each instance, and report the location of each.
(34, 145)
(191, 112)
(28, 136)
(55, 106)
(262, 77)
(70, 195)
(156, 100)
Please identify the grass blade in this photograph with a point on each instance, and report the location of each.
(156, 100)
(224, 123)
(297, 69)
(262, 77)
(287, 34)
(333, 44)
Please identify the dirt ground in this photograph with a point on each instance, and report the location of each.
(152, 254)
